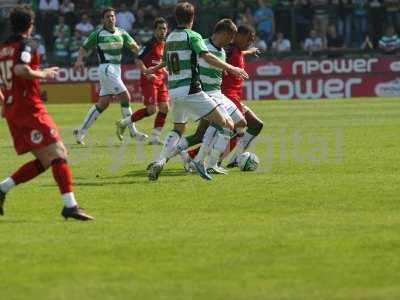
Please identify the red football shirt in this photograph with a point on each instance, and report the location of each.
(151, 54)
(232, 85)
(22, 96)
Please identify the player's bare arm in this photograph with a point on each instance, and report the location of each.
(140, 64)
(216, 62)
(134, 47)
(26, 72)
(252, 52)
(154, 69)
(1, 104)
(80, 64)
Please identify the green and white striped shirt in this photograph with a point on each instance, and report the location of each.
(211, 77)
(109, 44)
(182, 48)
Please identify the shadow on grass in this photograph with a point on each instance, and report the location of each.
(99, 183)
(168, 173)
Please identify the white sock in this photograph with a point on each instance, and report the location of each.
(206, 143)
(127, 112)
(7, 185)
(91, 116)
(169, 145)
(243, 145)
(185, 156)
(69, 200)
(219, 147)
(125, 122)
(156, 132)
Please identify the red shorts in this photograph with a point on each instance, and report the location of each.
(154, 92)
(34, 132)
(236, 100)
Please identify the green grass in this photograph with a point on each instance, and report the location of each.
(318, 220)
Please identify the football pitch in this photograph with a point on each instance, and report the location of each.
(319, 219)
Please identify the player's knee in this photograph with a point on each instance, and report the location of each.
(102, 105)
(163, 108)
(241, 124)
(240, 131)
(151, 110)
(258, 126)
(229, 124)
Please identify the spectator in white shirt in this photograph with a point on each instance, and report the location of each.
(125, 19)
(260, 44)
(314, 43)
(85, 27)
(281, 44)
(67, 7)
(49, 5)
(168, 2)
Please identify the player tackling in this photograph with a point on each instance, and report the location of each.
(232, 88)
(183, 48)
(30, 125)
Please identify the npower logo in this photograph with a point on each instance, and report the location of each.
(71, 75)
(388, 89)
(269, 70)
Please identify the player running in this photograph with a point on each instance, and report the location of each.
(109, 41)
(154, 89)
(31, 127)
(183, 46)
(232, 88)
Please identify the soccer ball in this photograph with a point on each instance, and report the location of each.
(248, 161)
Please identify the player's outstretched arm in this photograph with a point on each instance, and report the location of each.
(216, 62)
(80, 64)
(1, 104)
(26, 72)
(252, 52)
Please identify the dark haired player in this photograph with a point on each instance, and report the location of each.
(154, 89)
(31, 127)
(232, 88)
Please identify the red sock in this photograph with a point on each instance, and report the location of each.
(28, 171)
(139, 114)
(192, 153)
(62, 175)
(232, 143)
(159, 121)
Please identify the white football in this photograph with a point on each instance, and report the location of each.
(248, 161)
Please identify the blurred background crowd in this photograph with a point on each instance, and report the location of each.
(324, 28)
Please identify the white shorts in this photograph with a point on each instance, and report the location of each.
(110, 80)
(194, 106)
(227, 105)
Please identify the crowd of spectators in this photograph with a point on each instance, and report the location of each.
(310, 27)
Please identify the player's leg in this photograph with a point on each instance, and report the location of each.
(254, 127)
(128, 118)
(92, 115)
(219, 151)
(168, 151)
(202, 106)
(51, 155)
(159, 122)
(163, 108)
(24, 174)
(55, 156)
(179, 116)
